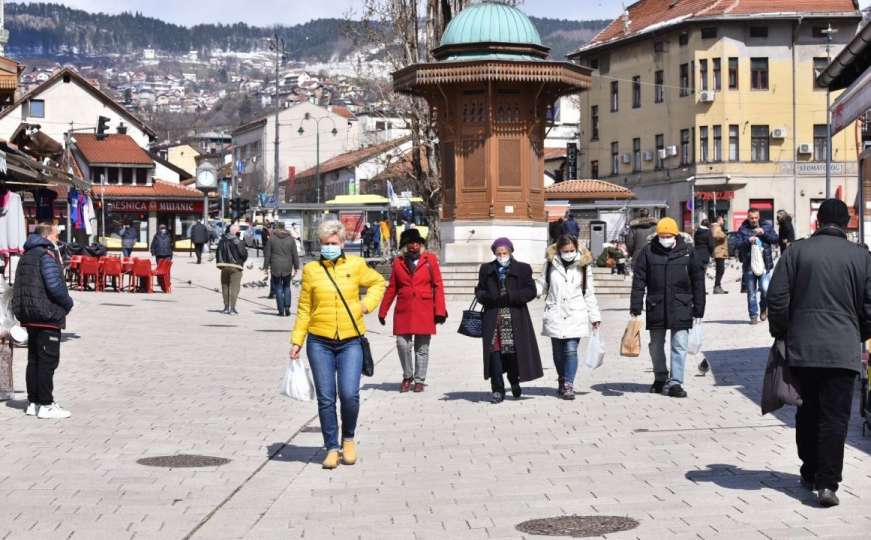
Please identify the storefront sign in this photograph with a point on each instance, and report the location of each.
(817, 169)
(738, 217)
(161, 207)
(715, 195)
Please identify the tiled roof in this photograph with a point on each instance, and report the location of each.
(554, 153)
(649, 15)
(158, 190)
(115, 149)
(352, 159)
(588, 189)
(342, 111)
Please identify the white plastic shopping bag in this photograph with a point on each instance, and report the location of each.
(757, 259)
(595, 354)
(766, 281)
(697, 334)
(297, 383)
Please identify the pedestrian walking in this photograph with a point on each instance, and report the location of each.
(570, 307)
(281, 260)
(703, 242)
(505, 287)
(230, 258)
(199, 236)
(386, 242)
(752, 232)
(161, 245)
(416, 285)
(41, 303)
(721, 253)
(785, 230)
(641, 229)
(325, 325)
(555, 230)
(129, 236)
(368, 238)
(819, 304)
(667, 271)
(571, 227)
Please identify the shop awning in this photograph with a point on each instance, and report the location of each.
(853, 103)
(359, 199)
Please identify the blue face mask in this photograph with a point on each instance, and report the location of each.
(331, 253)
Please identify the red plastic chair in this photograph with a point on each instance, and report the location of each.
(73, 270)
(142, 271)
(127, 269)
(89, 270)
(162, 273)
(112, 269)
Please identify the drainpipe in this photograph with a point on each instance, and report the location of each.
(795, 28)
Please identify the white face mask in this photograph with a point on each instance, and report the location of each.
(503, 259)
(568, 256)
(668, 242)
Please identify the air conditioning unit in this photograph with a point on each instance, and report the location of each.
(778, 133)
(648, 156)
(627, 158)
(707, 96)
(662, 153)
(805, 149)
(672, 150)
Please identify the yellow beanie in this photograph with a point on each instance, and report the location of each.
(667, 226)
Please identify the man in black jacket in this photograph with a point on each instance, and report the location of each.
(282, 261)
(785, 230)
(819, 301)
(41, 303)
(199, 237)
(161, 245)
(675, 284)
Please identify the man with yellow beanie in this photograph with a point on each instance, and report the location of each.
(667, 271)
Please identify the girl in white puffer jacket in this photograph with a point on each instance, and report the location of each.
(570, 306)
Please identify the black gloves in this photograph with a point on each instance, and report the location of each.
(383, 321)
(440, 319)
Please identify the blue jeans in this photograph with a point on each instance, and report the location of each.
(281, 288)
(126, 251)
(565, 358)
(679, 340)
(336, 363)
(754, 287)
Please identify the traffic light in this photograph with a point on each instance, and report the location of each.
(102, 127)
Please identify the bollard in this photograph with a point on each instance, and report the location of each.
(7, 389)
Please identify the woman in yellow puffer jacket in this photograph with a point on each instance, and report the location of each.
(333, 347)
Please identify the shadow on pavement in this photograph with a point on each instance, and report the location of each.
(19, 404)
(746, 323)
(383, 387)
(290, 453)
(733, 477)
(220, 325)
(618, 389)
(474, 397)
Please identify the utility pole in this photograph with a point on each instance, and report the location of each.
(828, 32)
(276, 44)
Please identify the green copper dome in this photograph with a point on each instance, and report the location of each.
(491, 22)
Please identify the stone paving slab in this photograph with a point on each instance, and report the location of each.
(175, 376)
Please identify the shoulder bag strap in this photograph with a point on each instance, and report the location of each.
(338, 290)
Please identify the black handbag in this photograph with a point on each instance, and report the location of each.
(368, 363)
(472, 324)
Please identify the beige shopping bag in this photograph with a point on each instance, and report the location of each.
(630, 345)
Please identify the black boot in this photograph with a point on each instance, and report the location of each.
(559, 386)
(516, 391)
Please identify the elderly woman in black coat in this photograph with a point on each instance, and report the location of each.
(504, 288)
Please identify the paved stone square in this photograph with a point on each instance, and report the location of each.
(152, 375)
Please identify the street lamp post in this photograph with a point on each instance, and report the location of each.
(276, 44)
(301, 131)
(828, 31)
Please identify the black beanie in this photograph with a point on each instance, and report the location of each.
(835, 212)
(408, 236)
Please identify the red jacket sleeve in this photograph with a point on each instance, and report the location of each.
(390, 294)
(438, 288)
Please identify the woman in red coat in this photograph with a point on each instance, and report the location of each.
(416, 284)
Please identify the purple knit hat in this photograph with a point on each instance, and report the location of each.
(502, 242)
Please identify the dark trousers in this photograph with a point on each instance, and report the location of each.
(499, 363)
(721, 269)
(821, 423)
(198, 249)
(43, 355)
(281, 290)
(126, 252)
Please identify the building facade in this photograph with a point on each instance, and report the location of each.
(720, 104)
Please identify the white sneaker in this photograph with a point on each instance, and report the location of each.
(31, 409)
(53, 411)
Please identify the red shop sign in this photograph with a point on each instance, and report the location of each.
(161, 207)
(718, 195)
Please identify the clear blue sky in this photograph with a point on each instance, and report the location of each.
(268, 12)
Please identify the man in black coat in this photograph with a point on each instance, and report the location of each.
(819, 302)
(785, 230)
(161, 245)
(640, 230)
(199, 237)
(571, 227)
(675, 284)
(41, 302)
